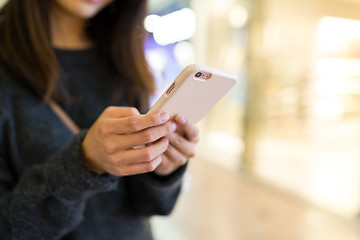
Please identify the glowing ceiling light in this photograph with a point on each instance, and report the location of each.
(151, 22)
(238, 17)
(171, 28)
(330, 87)
(338, 67)
(328, 108)
(334, 32)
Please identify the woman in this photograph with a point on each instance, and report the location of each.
(83, 55)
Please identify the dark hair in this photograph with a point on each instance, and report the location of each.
(27, 53)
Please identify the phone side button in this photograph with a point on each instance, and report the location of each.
(170, 89)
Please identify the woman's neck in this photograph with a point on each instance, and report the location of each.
(67, 31)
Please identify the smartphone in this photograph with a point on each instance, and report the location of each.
(194, 92)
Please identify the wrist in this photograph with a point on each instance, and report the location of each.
(90, 165)
(93, 167)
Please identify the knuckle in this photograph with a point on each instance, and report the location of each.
(133, 111)
(180, 140)
(169, 127)
(103, 127)
(154, 119)
(194, 133)
(148, 137)
(109, 148)
(165, 146)
(151, 119)
(154, 165)
(151, 166)
(192, 154)
(109, 109)
(120, 172)
(133, 124)
(183, 161)
(147, 155)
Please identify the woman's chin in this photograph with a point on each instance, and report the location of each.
(83, 9)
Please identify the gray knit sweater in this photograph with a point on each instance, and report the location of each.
(45, 190)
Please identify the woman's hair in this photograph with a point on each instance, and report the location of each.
(27, 53)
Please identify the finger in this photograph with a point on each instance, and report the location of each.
(141, 155)
(175, 156)
(127, 125)
(165, 162)
(183, 145)
(117, 143)
(138, 168)
(119, 112)
(153, 134)
(166, 166)
(190, 130)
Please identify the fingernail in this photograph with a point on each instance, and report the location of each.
(164, 117)
(173, 126)
(182, 120)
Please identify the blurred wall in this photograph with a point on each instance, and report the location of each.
(302, 120)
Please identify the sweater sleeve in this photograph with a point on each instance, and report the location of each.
(48, 200)
(154, 195)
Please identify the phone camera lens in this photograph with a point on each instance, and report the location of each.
(198, 74)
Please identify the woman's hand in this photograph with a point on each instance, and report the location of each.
(112, 143)
(181, 147)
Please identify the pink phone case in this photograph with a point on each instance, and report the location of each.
(192, 95)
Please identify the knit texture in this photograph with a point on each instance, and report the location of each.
(45, 190)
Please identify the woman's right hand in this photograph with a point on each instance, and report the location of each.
(111, 144)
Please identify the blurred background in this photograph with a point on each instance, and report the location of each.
(279, 156)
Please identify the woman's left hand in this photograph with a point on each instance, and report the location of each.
(181, 147)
